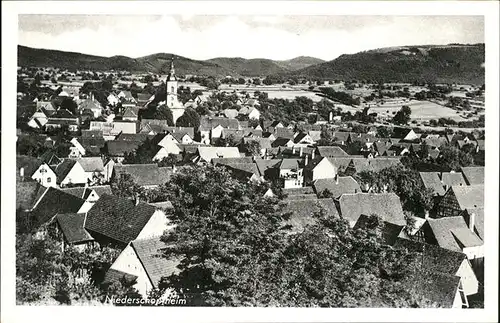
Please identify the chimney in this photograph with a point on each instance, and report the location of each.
(312, 155)
(330, 116)
(337, 179)
(301, 152)
(21, 173)
(367, 187)
(472, 221)
(174, 168)
(306, 160)
(136, 199)
(293, 150)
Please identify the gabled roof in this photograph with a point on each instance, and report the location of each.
(289, 163)
(144, 174)
(469, 197)
(131, 112)
(118, 218)
(283, 132)
(134, 136)
(250, 168)
(299, 137)
(71, 225)
(55, 201)
(298, 191)
(280, 142)
(208, 123)
(452, 233)
(339, 186)
(478, 220)
(434, 258)
(374, 164)
(120, 147)
(91, 164)
(156, 265)
(341, 136)
(385, 205)
(341, 162)
(63, 169)
(302, 211)
(50, 158)
(234, 160)
(89, 104)
(473, 175)
(331, 151)
(115, 276)
(264, 165)
(401, 133)
(453, 179)
(431, 180)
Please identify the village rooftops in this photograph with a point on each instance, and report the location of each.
(452, 233)
(55, 201)
(453, 179)
(208, 153)
(302, 210)
(431, 181)
(331, 151)
(118, 148)
(27, 194)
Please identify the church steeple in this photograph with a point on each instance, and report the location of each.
(171, 74)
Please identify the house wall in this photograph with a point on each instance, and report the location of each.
(76, 175)
(411, 136)
(255, 114)
(168, 139)
(205, 137)
(187, 140)
(217, 132)
(162, 153)
(448, 206)
(156, 225)
(47, 179)
(129, 263)
(324, 169)
(468, 278)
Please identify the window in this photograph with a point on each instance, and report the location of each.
(48, 179)
(172, 89)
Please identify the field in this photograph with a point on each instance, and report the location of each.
(420, 111)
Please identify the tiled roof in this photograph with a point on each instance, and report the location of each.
(89, 104)
(438, 288)
(280, 142)
(399, 132)
(134, 137)
(385, 205)
(434, 258)
(431, 180)
(343, 185)
(118, 218)
(453, 179)
(374, 164)
(263, 142)
(64, 168)
(208, 123)
(452, 231)
(149, 252)
(163, 205)
(284, 133)
(331, 151)
(302, 197)
(473, 175)
(264, 165)
(91, 164)
(250, 168)
(144, 174)
(55, 201)
(71, 225)
(469, 197)
(301, 211)
(232, 160)
(341, 162)
(478, 220)
(289, 163)
(100, 189)
(115, 276)
(120, 147)
(298, 191)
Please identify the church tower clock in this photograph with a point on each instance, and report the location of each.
(173, 103)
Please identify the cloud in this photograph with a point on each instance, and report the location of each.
(275, 37)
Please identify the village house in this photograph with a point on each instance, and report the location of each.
(71, 231)
(77, 150)
(206, 154)
(459, 198)
(404, 134)
(117, 221)
(453, 233)
(143, 261)
(291, 173)
(130, 113)
(318, 169)
(91, 105)
(330, 151)
(144, 175)
(40, 118)
(117, 149)
(336, 187)
(70, 172)
(211, 128)
(35, 169)
(435, 260)
(385, 205)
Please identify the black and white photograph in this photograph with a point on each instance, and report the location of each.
(187, 160)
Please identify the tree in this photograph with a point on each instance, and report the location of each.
(162, 112)
(190, 118)
(70, 105)
(256, 81)
(235, 250)
(402, 117)
(124, 186)
(454, 158)
(253, 148)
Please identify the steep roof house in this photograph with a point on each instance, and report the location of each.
(117, 221)
(473, 175)
(145, 175)
(144, 261)
(459, 198)
(54, 201)
(330, 151)
(318, 169)
(385, 205)
(336, 186)
(70, 172)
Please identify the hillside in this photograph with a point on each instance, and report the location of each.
(298, 63)
(452, 63)
(248, 67)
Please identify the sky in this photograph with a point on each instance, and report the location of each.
(274, 37)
